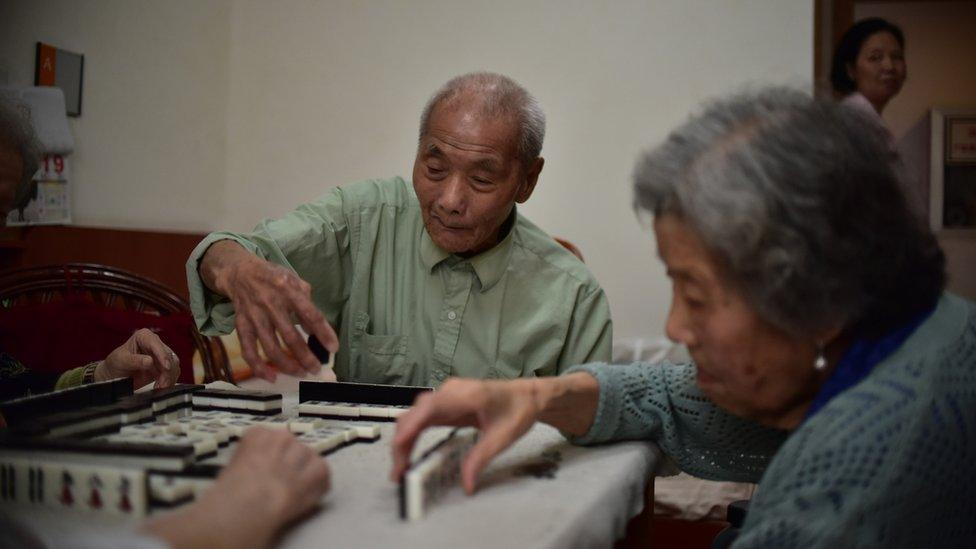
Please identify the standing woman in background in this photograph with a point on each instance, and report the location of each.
(868, 68)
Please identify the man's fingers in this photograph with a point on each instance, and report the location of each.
(296, 344)
(245, 334)
(315, 323)
(268, 339)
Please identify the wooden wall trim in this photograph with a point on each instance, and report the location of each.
(160, 256)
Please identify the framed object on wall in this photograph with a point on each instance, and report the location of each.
(952, 176)
(62, 69)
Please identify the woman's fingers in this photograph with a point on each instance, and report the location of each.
(491, 441)
(502, 411)
(149, 343)
(444, 407)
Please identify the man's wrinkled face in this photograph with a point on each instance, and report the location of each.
(11, 172)
(467, 176)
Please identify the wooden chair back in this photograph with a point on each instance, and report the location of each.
(111, 288)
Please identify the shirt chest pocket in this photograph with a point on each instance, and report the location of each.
(387, 359)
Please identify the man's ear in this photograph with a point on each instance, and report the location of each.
(850, 74)
(531, 178)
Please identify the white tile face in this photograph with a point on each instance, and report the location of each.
(342, 409)
(16, 474)
(203, 443)
(54, 487)
(30, 482)
(129, 493)
(6, 465)
(97, 488)
(237, 426)
(274, 422)
(367, 431)
(131, 418)
(324, 439)
(208, 414)
(142, 429)
(263, 405)
(413, 484)
(374, 411)
(220, 434)
(67, 487)
(397, 411)
(169, 489)
(305, 424)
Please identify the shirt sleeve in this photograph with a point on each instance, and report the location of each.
(661, 402)
(590, 335)
(71, 378)
(313, 240)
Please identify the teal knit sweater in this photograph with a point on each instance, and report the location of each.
(890, 462)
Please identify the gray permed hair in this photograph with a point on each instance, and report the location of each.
(798, 201)
(499, 95)
(17, 134)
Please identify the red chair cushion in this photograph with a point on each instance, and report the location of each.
(56, 337)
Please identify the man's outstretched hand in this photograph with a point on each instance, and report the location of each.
(268, 300)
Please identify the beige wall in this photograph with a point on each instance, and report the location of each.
(940, 52)
(239, 110)
(150, 146)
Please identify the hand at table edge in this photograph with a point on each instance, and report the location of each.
(503, 411)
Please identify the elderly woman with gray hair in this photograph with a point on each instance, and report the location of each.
(828, 363)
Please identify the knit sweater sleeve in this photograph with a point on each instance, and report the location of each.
(662, 402)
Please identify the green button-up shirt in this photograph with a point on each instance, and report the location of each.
(406, 311)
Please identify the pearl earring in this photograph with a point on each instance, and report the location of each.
(820, 363)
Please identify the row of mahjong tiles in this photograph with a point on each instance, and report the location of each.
(58, 469)
(178, 452)
(104, 407)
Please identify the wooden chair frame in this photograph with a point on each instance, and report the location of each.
(113, 288)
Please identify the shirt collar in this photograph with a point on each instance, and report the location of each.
(489, 266)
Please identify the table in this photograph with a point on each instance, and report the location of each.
(542, 492)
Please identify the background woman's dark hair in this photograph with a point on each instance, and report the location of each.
(850, 46)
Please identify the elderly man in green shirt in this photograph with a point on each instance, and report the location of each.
(441, 277)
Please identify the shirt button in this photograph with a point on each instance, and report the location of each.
(451, 315)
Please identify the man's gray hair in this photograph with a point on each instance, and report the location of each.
(797, 200)
(500, 95)
(17, 134)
